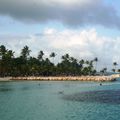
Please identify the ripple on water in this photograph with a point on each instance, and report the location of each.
(102, 96)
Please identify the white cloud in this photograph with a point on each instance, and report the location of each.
(69, 2)
(85, 44)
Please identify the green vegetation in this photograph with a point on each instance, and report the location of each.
(26, 65)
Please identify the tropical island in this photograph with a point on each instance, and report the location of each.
(26, 67)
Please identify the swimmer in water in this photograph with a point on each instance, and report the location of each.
(100, 84)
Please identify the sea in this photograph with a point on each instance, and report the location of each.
(59, 100)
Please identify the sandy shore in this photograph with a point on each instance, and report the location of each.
(64, 78)
(70, 78)
(5, 79)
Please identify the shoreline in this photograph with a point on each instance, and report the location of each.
(5, 79)
(63, 78)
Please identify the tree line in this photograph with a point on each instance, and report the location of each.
(26, 65)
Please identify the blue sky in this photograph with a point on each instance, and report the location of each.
(82, 28)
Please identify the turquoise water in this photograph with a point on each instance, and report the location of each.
(34, 100)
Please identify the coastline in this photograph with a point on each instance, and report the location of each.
(70, 78)
(5, 79)
(63, 78)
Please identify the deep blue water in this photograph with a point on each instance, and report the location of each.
(35, 100)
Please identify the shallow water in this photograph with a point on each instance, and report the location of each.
(35, 100)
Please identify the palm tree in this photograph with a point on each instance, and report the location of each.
(82, 62)
(6, 60)
(10, 54)
(115, 65)
(72, 59)
(25, 52)
(40, 55)
(2, 60)
(96, 60)
(9, 58)
(65, 57)
(87, 62)
(2, 50)
(52, 55)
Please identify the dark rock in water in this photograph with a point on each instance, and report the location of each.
(103, 96)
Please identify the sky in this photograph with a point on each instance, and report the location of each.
(83, 28)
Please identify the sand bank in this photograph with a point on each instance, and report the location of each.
(70, 78)
(5, 79)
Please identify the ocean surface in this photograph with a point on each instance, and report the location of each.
(47, 100)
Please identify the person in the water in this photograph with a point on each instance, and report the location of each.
(100, 84)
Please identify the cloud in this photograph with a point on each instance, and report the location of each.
(69, 12)
(86, 44)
